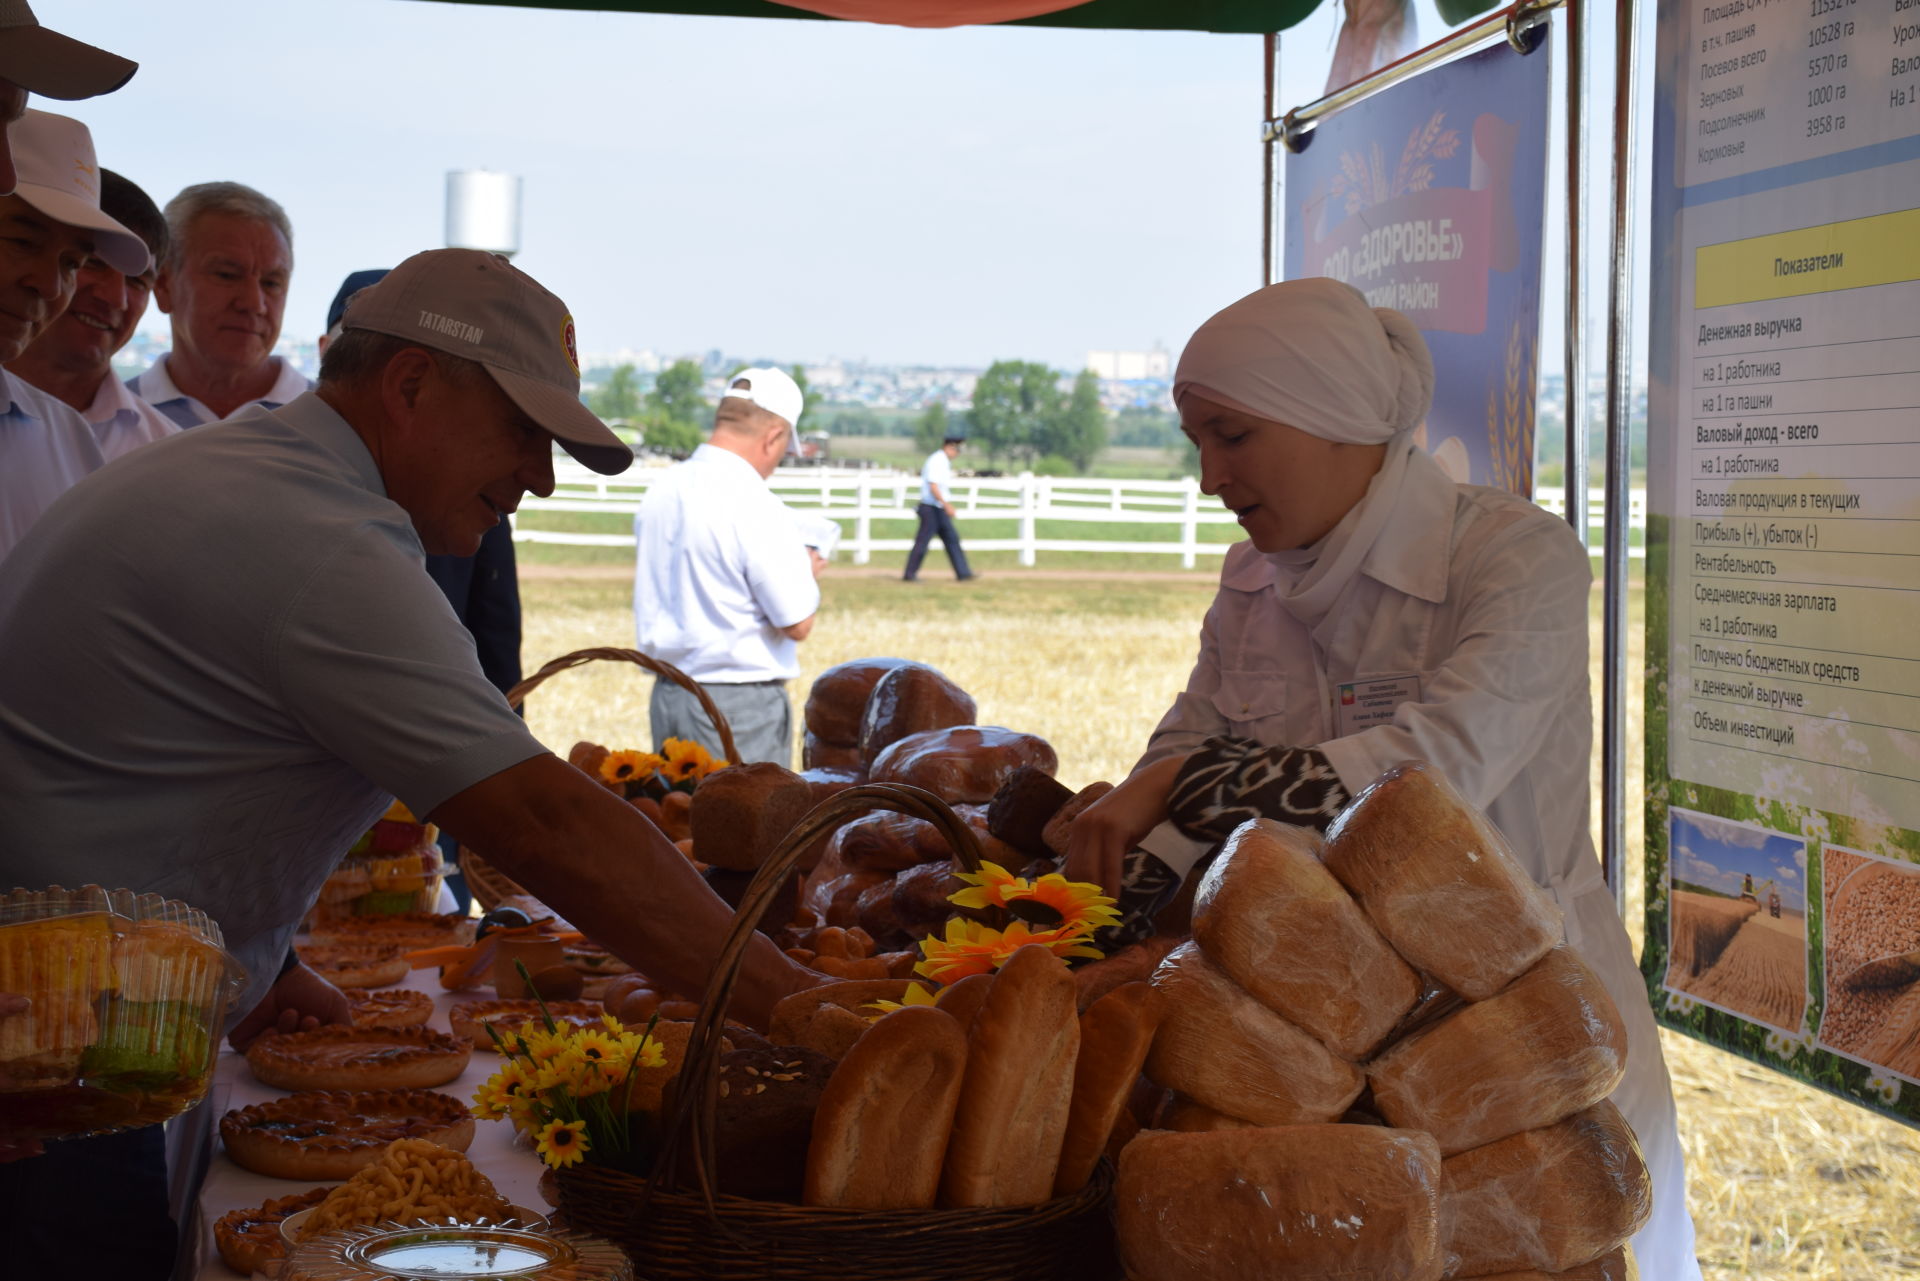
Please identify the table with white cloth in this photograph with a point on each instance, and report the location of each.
(513, 1167)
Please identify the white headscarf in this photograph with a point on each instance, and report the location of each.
(1312, 354)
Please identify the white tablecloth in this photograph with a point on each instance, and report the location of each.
(514, 1168)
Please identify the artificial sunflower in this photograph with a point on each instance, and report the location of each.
(1049, 902)
(622, 768)
(562, 1143)
(916, 994)
(972, 948)
(686, 762)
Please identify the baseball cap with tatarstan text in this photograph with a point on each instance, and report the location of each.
(481, 307)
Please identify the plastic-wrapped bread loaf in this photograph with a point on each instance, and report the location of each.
(1181, 1113)
(961, 764)
(1549, 1199)
(1225, 1050)
(1616, 1264)
(1286, 1203)
(910, 698)
(1440, 882)
(1545, 1047)
(1270, 914)
(837, 700)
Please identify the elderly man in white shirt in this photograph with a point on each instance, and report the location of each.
(72, 360)
(49, 227)
(724, 587)
(224, 283)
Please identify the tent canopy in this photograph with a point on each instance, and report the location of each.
(1228, 16)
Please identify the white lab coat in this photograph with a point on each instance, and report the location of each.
(1484, 596)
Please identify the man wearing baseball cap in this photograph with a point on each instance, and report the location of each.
(724, 587)
(258, 662)
(50, 227)
(36, 60)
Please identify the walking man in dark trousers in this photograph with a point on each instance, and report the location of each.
(936, 512)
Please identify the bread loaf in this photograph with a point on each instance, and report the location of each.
(1440, 882)
(1181, 1113)
(837, 700)
(740, 813)
(963, 999)
(1019, 811)
(1548, 1199)
(961, 763)
(832, 1031)
(763, 1120)
(825, 781)
(1219, 1046)
(906, 700)
(1549, 1045)
(1290, 1203)
(1615, 1265)
(792, 1013)
(1014, 1103)
(920, 897)
(880, 1134)
(887, 842)
(817, 753)
(1134, 961)
(1115, 1034)
(1270, 914)
(1054, 834)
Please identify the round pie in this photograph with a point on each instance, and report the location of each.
(358, 1058)
(396, 1007)
(470, 1019)
(249, 1239)
(411, 930)
(356, 964)
(331, 1134)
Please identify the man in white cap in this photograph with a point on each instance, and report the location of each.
(72, 359)
(53, 227)
(724, 587)
(223, 284)
(36, 60)
(258, 662)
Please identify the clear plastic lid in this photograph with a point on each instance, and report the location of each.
(455, 1253)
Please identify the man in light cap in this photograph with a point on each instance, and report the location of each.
(1379, 613)
(724, 587)
(34, 59)
(50, 227)
(258, 663)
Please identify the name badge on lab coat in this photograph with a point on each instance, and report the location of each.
(1359, 705)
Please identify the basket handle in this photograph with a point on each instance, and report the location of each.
(697, 1090)
(658, 667)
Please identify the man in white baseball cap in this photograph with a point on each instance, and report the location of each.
(258, 663)
(50, 226)
(724, 587)
(36, 60)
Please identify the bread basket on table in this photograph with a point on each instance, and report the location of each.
(488, 884)
(678, 1227)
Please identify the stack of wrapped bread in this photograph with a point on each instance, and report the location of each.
(1384, 1063)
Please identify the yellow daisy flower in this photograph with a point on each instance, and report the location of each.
(621, 768)
(916, 994)
(562, 1143)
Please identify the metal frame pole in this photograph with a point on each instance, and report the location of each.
(1575, 321)
(1613, 731)
(1270, 46)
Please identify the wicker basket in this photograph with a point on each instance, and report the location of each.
(677, 1228)
(488, 884)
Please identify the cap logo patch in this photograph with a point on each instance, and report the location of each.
(568, 340)
(450, 327)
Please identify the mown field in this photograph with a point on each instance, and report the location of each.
(1786, 1181)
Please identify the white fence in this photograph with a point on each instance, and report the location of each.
(856, 499)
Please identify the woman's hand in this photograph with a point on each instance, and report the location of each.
(1098, 840)
(298, 1002)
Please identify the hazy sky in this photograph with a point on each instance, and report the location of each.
(789, 189)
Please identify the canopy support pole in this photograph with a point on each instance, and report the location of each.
(1269, 204)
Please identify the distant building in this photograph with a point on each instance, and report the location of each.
(1130, 366)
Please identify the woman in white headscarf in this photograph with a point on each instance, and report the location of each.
(1378, 612)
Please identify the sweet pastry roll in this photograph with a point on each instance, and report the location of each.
(405, 929)
(249, 1238)
(356, 964)
(396, 1007)
(470, 1019)
(330, 1134)
(354, 1058)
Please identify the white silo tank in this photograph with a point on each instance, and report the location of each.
(483, 210)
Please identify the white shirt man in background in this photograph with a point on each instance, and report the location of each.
(724, 588)
(49, 227)
(73, 359)
(224, 283)
(936, 513)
